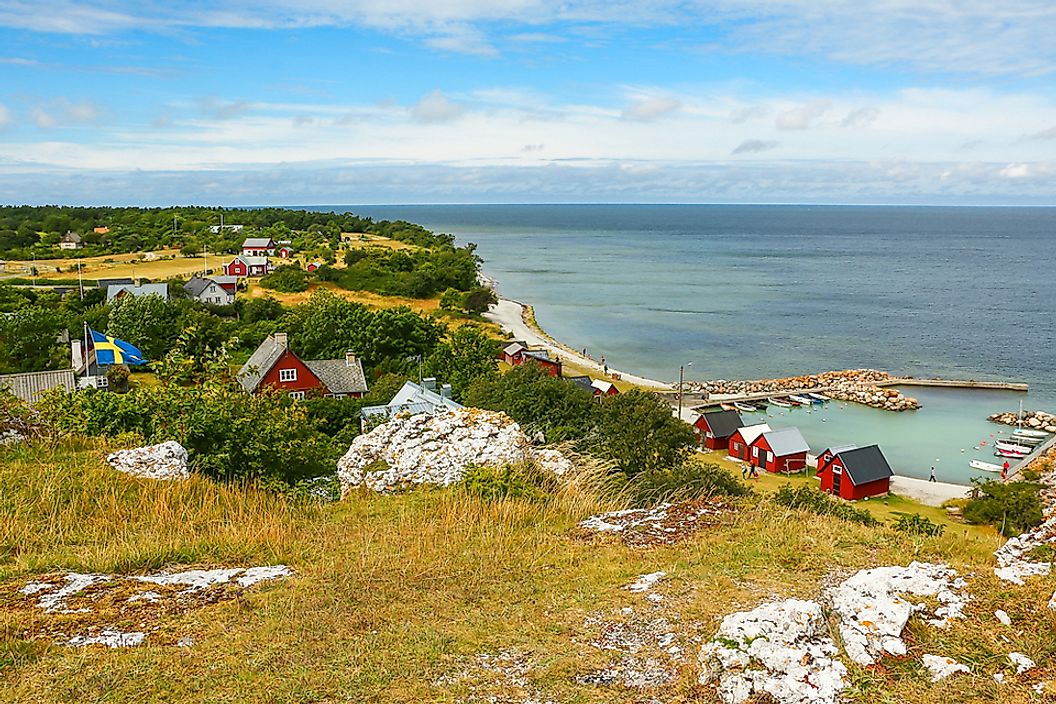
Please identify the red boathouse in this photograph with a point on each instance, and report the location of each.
(742, 439)
(714, 428)
(854, 473)
(782, 450)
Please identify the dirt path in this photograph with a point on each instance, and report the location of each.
(509, 314)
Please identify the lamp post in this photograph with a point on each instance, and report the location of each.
(681, 381)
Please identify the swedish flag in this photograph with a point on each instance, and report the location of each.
(110, 350)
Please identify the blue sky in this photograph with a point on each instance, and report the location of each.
(367, 101)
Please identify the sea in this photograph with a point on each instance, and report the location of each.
(760, 291)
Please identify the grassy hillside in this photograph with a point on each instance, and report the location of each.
(397, 598)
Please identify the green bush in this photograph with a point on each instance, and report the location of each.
(918, 525)
(637, 431)
(692, 480)
(1011, 507)
(516, 481)
(288, 279)
(807, 498)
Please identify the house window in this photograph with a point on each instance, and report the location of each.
(827, 457)
(837, 469)
(287, 375)
(755, 453)
(297, 394)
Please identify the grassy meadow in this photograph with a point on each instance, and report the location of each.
(394, 595)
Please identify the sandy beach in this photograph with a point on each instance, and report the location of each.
(510, 315)
(927, 493)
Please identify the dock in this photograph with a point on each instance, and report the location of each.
(958, 384)
(1040, 450)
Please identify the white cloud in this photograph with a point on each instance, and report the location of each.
(754, 146)
(649, 109)
(5, 116)
(860, 117)
(1049, 133)
(435, 107)
(41, 118)
(802, 117)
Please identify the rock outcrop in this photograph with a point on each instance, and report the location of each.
(855, 385)
(1036, 420)
(165, 461)
(1014, 563)
(437, 450)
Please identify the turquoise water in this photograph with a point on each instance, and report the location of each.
(764, 291)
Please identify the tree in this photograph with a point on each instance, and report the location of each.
(478, 299)
(539, 402)
(288, 279)
(638, 432)
(148, 322)
(451, 299)
(464, 356)
(29, 340)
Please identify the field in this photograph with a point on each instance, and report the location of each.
(161, 264)
(436, 596)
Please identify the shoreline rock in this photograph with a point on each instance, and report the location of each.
(853, 385)
(1034, 420)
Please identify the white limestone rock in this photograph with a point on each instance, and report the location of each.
(1022, 662)
(438, 449)
(781, 649)
(165, 461)
(645, 582)
(1002, 616)
(873, 610)
(109, 637)
(942, 667)
(1013, 564)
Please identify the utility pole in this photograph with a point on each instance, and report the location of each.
(681, 381)
(80, 279)
(205, 254)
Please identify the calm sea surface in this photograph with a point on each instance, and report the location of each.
(763, 291)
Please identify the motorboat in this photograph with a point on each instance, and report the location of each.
(1013, 446)
(1025, 440)
(985, 466)
(745, 407)
(780, 402)
(820, 398)
(727, 407)
(1030, 433)
(802, 400)
(1013, 454)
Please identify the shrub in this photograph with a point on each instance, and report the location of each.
(918, 525)
(288, 279)
(807, 498)
(512, 481)
(637, 431)
(692, 480)
(1011, 507)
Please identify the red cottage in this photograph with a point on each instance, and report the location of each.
(742, 439)
(275, 365)
(714, 428)
(258, 247)
(604, 388)
(515, 354)
(782, 450)
(285, 251)
(855, 473)
(236, 267)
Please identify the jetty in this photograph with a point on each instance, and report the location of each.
(1039, 451)
(957, 384)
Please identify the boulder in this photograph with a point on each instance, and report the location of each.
(165, 461)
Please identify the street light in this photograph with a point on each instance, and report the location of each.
(681, 381)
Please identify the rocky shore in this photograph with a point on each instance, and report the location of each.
(855, 385)
(1036, 420)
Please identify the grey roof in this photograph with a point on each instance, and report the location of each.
(260, 363)
(338, 375)
(723, 424)
(750, 432)
(71, 236)
(583, 382)
(411, 398)
(254, 260)
(786, 441)
(161, 290)
(196, 285)
(513, 348)
(105, 283)
(539, 354)
(865, 464)
(258, 243)
(221, 280)
(837, 449)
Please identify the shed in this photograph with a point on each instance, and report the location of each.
(782, 450)
(714, 428)
(857, 474)
(743, 437)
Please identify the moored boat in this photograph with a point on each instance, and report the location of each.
(1013, 446)
(745, 407)
(1024, 440)
(802, 400)
(780, 402)
(1030, 433)
(985, 466)
(1013, 454)
(821, 398)
(727, 407)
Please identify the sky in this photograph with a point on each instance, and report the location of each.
(232, 102)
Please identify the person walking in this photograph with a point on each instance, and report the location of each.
(932, 477)
(1004, 471)
(744, 471)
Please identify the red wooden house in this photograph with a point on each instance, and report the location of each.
(742, 439)
(714, 428)
(275, 365)
(313, 266)
(854, 473)
(515, 354)
(604, 388)
(258, 247)
(782, 450)
(284, 250)
(244, 265)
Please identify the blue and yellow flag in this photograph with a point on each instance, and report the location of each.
(110, 350)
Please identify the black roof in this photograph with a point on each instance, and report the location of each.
(104, 283)
(723, 424)
(865, 464)
(581, 381)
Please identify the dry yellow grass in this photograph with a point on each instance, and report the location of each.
(394, 592)
(363, 240)
(166, 263)
(367, 298)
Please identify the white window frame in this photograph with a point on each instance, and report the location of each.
(297, 395)
(287, 375)
(755, 453)
(837, 469)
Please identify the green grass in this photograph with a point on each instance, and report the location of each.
(392, 592)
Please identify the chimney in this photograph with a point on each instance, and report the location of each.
(350, 358)
(445, 390)
(429, 383)
(76, 356)
(280, 339)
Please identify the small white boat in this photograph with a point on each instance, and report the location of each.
(1010, 454)
(745, 407)
(800, 399)
(780, 402)
(1029, 433)
(819, 397)
(727, 407)
(1025, 440)
(1013, 447)
(985, 466)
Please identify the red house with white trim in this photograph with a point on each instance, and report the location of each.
(742, 439)
(782, 450)
(714, 428)
(258, 247)
(515, 354)
(284, 250)
(854, 473)
(275, 365)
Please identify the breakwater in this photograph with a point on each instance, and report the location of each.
(1037, 420)
(864, 386)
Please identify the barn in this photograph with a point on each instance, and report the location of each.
(855, 473)
(742, 439)
(782, 450)
(714, 428)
